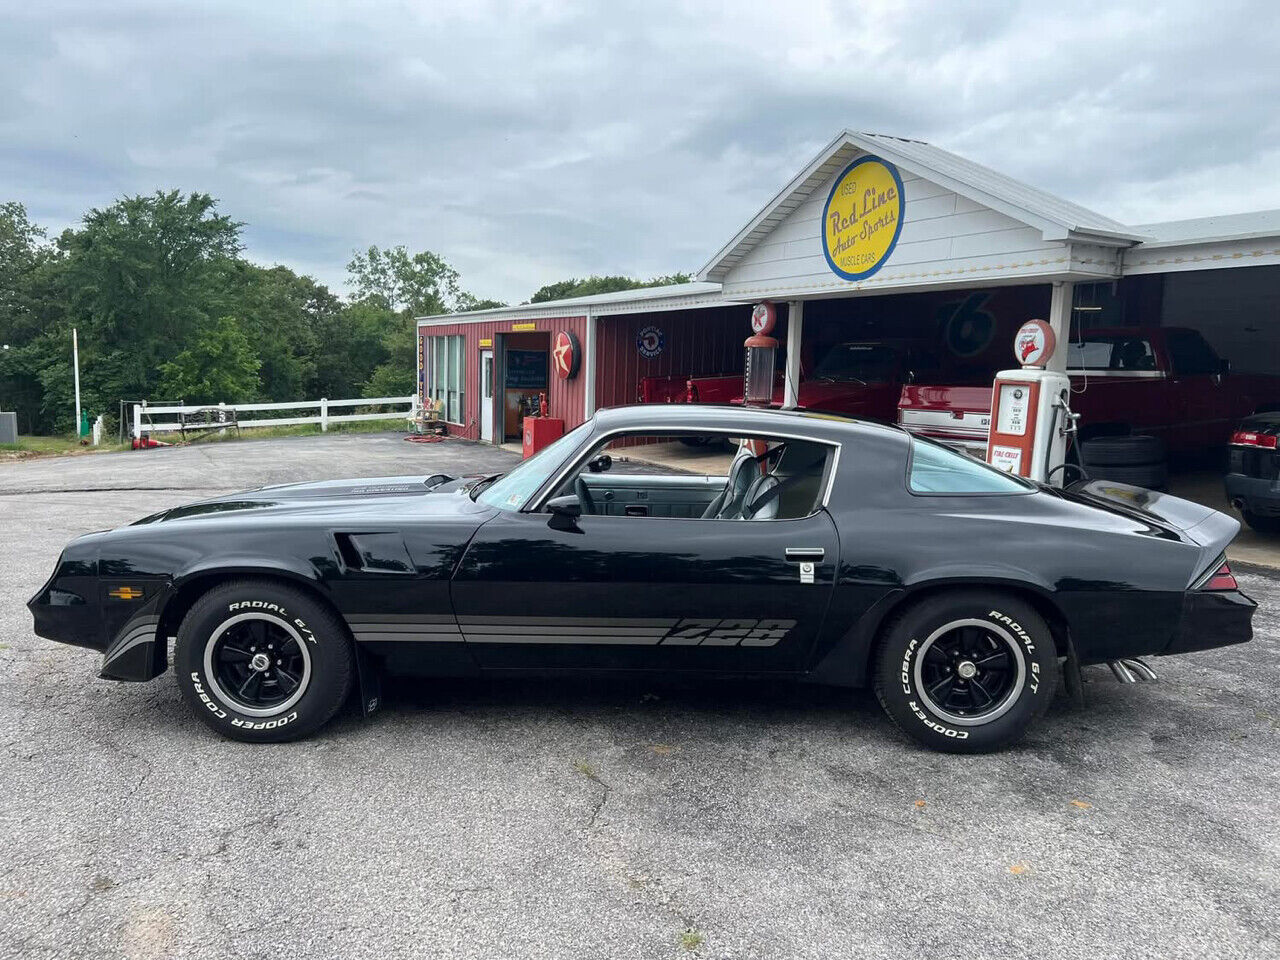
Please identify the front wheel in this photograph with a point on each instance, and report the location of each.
(262, 661)
(967, 672)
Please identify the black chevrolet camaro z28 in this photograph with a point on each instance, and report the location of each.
(818, 549)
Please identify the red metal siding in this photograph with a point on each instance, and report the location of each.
(695, 343)
(565, 398)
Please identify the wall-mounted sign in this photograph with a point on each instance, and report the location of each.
(525, 325)
(486, 342)
(763, 317)
(1034, 343)
(422, 371)
(526, 369)
(567, 355)
(649, 341)
(862, 218)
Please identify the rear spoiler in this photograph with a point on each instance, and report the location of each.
(1211, 530)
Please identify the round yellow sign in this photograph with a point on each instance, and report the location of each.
(862, 218)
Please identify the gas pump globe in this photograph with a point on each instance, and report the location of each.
(762, 354)
(1030, 417)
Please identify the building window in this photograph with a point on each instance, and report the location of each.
(449, 376)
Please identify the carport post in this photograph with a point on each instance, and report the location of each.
(1060, 320)
(791, 375)
(589, 373)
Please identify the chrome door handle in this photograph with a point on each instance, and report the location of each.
(805, 554)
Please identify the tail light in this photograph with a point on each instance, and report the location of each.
(1251, 438)
(690, 393)
(1221, 579)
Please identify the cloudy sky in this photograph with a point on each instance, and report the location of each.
(531, 141)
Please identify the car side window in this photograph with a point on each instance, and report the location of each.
(711, 477)
(1191, 354)
(936, 469)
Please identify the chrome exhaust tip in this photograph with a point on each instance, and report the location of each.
(1131, 670)
(1123, 673)
(1140, 668)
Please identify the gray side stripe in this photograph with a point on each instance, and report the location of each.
(651, 641)
(541, 631)
(402, 637)
(570, 621)
(381, 618)
(144, 633)
(380, 627)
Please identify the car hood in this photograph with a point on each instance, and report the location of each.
(426, 496)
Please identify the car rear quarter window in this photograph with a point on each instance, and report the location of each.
(936, 469)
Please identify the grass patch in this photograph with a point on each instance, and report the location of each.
(395, 423)
(691, 939)
(53, 447)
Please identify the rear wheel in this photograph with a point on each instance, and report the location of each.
(967, 672)
(262, 661)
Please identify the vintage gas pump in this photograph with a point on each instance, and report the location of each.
(762, 352)
(1030, 416)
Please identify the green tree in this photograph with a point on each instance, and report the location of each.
(419, 285)
(219, 366)
(590, 286)
(25, 260)
(138, 279)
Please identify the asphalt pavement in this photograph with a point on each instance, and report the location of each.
(604, 820)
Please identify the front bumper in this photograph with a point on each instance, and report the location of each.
(1258, 495)
(1211, 619)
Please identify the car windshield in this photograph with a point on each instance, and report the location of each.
(867, 362)
(512, 490)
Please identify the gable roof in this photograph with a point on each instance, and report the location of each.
(1056, 218)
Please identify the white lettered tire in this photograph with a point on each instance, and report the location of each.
(967, 671)
(262, 661)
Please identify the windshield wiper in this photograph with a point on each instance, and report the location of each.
(478, 487)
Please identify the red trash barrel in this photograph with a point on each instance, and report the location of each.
(540, 431)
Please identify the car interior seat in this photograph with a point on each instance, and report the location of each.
(727, 504)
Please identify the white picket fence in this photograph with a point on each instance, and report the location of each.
(144, 422)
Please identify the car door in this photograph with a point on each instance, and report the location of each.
(1203, 399)
(646, 592)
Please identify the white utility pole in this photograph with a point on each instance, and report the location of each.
(75, 361)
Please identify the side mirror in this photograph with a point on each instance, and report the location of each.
(600, 464)
(564, 516)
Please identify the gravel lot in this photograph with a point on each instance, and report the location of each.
(592, 820)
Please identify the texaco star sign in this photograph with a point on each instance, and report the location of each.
(566, 355)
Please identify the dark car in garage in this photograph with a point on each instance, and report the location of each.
(1253, 471)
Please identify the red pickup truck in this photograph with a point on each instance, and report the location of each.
(1164, 381)
(858, 379)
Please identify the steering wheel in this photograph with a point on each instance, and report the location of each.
(583, 493)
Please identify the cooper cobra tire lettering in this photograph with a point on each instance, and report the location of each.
(205, 698)
(934, 725)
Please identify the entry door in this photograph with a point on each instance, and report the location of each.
(486, 395)
(649, 593)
